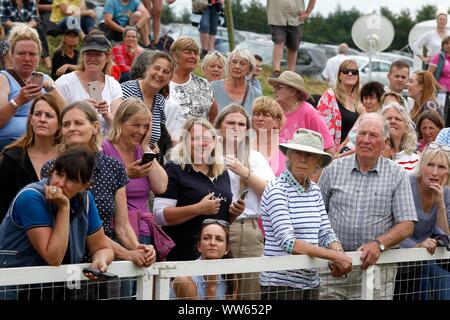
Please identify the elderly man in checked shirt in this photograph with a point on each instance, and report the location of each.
(370, 207)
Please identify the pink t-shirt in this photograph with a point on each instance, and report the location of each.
(305, 116)
(444, 80)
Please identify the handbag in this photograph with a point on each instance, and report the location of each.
(199, 5)
(162, 242)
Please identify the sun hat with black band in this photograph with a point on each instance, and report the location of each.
(292, 79)
(307, 141)
(96, 43)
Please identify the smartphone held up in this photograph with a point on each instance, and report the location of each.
(36, 78)
(147, 157)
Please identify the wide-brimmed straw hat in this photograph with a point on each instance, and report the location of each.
(308, 141)
(292, 79)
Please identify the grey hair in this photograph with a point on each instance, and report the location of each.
(409, 138)
(245, 55)
(379, 117)
(140, 65)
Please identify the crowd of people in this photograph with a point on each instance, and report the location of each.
(152, 162)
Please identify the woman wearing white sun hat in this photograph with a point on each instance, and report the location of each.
(296, 222)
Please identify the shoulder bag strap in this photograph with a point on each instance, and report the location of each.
(16, 76)
(247, 88)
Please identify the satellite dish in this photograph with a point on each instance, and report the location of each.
(372, 33)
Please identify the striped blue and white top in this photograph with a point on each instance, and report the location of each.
(131, 89)
(289, 214)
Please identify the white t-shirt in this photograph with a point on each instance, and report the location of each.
(332, 68)
(430, 40)
(72, 90)
(191, 99)
(407, 161)
(260, 167)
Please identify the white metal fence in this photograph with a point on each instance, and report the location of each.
(153, 283)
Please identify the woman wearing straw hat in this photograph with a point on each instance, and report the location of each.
(291, 94)
(296, 222)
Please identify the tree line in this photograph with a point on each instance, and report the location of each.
(333, 28)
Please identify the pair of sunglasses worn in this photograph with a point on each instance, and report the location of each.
(354, 72)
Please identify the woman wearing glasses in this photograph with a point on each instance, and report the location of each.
(291, 94)
(296, 222)
(235, 89)
(422, 88)
(430, 188)
(213, 243)
(403, 134)
(91, 81)
(198, 188)
(339, 106)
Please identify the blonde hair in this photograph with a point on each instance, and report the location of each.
(269, 105)
(22, 32)
(132, 107)
(211, 57)
(339, 88)
(184, 43)
(430, 154)
(92, 116)
(408, 142)
(181, 153)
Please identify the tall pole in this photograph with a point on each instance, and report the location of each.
(229, 21)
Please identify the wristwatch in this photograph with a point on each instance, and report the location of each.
(380, 244)
(14, 104)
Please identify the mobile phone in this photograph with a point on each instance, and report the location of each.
(243, 194)
(94, 91)
(99, 274)
(36, 78)
(147, 157)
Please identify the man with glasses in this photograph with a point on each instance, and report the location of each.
(370, 206)
(286, 19)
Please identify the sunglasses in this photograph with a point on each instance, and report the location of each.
(223, 223)
(354, 72)
(434, 146)
(278, 87)
(97, 39)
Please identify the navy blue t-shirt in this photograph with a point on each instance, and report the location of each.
(190, 187)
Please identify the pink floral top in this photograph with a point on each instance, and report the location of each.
(328, 108)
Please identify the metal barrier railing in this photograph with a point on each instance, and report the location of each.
(153, 283)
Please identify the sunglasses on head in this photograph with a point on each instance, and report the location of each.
(98, 40)
(223, 223)
(434, 146)
(354, 72)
